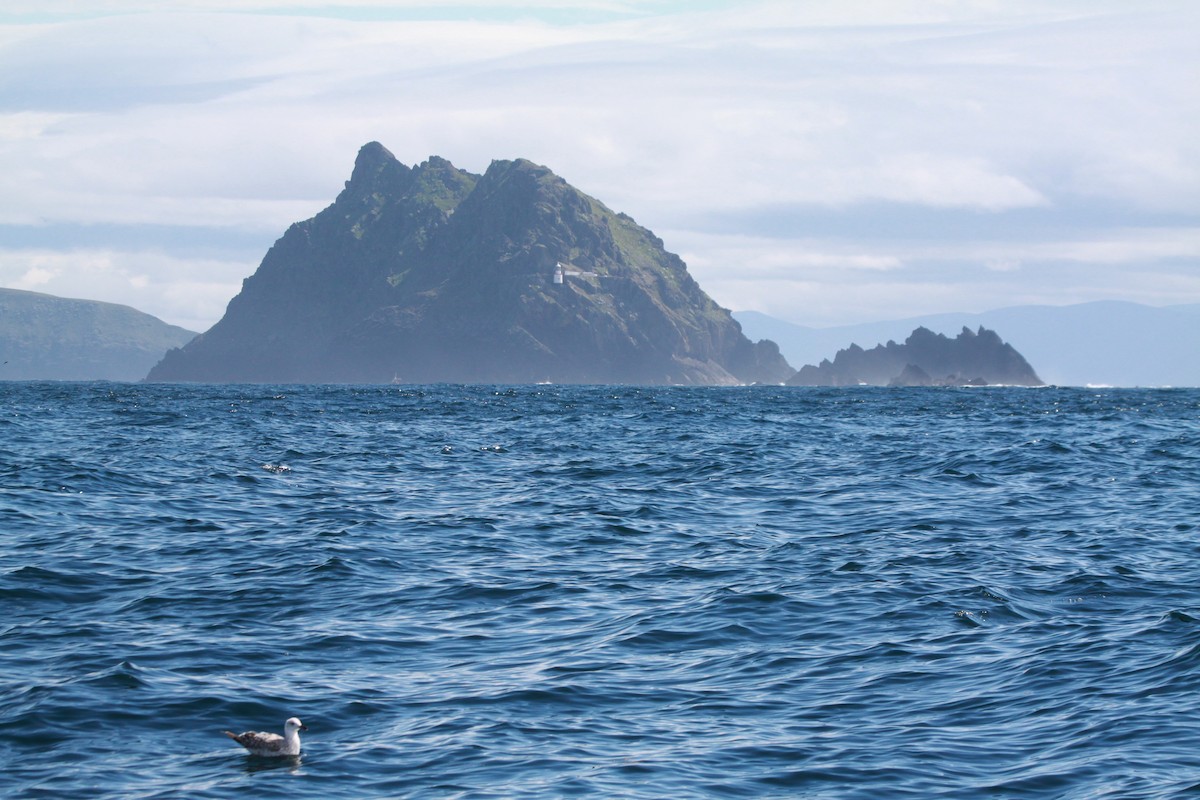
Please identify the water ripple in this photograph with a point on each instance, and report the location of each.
(600, 591)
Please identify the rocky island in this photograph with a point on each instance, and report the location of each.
(973, 358)
(433, 274)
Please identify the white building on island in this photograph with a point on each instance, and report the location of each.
(563, 271)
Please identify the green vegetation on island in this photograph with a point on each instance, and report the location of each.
(43, 337)
(432, 274)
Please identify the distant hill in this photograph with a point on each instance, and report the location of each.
(43, 337)
(430, 273)
(1103, 343)
(925, 358)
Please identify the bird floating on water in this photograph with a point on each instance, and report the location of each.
(272, 744)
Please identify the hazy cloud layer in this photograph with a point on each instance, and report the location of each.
(827, 163)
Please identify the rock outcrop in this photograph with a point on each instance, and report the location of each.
(973, 358)
(433, 274)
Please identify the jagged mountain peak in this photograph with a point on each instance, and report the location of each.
(925, 359)
(432, 273)
(373, 153)
(375, 165)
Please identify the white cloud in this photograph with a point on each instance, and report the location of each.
(73, 8)
(955, 182)
(194, 120)
(1125, 247)
(191, 293)
(1002, 264)
(710, 255)
(27, 125)
(826, 281)
(35, 277)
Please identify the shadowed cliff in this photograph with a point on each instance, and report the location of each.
(430, 273)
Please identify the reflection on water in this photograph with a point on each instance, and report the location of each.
(264, 763)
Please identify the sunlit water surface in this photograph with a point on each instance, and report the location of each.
(543, 592)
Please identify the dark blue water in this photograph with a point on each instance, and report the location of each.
(543, 592)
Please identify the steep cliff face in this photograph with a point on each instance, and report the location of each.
(430, 273)
(925, 359)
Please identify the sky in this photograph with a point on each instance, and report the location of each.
(825, 163)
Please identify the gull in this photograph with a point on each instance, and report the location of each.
(272, 744)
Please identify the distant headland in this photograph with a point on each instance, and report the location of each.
(43, 337)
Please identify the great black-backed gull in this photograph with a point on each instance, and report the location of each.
(272, 744)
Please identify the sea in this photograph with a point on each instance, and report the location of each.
(616, 592)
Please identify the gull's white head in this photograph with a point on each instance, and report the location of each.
(292, 725)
